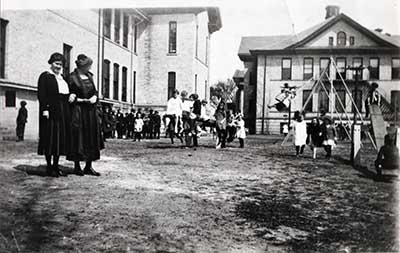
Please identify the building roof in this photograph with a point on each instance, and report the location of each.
(214, 16)
(287, 42)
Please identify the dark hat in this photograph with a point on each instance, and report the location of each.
(56, 57)
(83, 61)
(204, 101)
(23, 103)
(374, 85)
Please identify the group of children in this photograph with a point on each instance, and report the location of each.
(321, 133)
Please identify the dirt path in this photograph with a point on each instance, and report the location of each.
(157, 197)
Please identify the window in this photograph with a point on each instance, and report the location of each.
(134, 88)
(374, 68)
(67, 55)
(306, 94)
(341, 95)
(107, 23)
(324, 64)
(308, 71)
(195, 83)
(106, 79)
(286, 69)
(125, 30)
(10, 98)
(172, 37)
(135, 37)
(358, 62)
(171, 83)
(352, 40)
(396, 68)
(124, 84)
(330, 41)
(323, 101)
(117, 25)
(357, 99)
(116, 77)
(341, 39)
(341, 68)
(3, 24)
(395, 100)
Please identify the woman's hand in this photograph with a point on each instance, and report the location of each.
(46, 114)
(71, 98)
(93, 99)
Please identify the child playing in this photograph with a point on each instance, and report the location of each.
(220, 117)
(300, 133)
(138, 127)
(388, 156)
(283, 99)
(241, 131)
(329, 136)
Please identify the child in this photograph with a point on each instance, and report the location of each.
(329, 136)
(241, 131)
(138, 127)
(220, 117)
(315, 136)
(283, 98)
(300, 133)
(388, 156)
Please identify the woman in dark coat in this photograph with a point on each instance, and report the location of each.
(220, 117)
(315, 137)
(54, 114)
(86, 129)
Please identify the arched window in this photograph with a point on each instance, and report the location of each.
(341, 39)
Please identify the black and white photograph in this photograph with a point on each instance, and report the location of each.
(199, 126)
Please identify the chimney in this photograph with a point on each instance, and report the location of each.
(379, 30)
(332, 10)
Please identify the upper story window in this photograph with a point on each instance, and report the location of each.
(125, 30)
(171, 84)
(341, 39)
(286, 69)
(351, 40)
(107, 23)
(106, 79)
(341, 68)
(330, 41)
(358, 62)
(67, 65)
(396, 68)
(374, 68)
(172, 37)
(135, 37)
(117, 25)
(3, 24)
(324, 64)
(308, 71)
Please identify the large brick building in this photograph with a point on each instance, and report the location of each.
(271, 61)
(140, 55)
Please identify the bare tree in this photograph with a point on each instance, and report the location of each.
(225, 90)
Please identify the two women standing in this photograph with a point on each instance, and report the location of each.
(69, 124)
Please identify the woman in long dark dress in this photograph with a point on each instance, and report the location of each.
(86, 129)
(54, 114)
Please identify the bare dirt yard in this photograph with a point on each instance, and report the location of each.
(157, 197)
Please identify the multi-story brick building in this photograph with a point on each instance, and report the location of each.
(139, 55)
(271, 61)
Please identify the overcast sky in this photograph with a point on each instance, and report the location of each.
(249, 18)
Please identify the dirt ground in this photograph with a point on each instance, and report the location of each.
(157, 197)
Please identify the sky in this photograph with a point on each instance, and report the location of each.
(248, 18)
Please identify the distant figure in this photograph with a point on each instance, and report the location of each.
(315, 138)
(373, 98)
(388, 156)
(22, 118)
(138, 127)
(285, 129)
(157, 125)
(329, 136)
(220, 117)
(300, 133)
(241, 130)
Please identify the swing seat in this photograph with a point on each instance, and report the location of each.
(281, 107)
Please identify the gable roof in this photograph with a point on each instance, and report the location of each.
(282, 42)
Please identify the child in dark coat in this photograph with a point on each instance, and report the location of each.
(388, 156)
